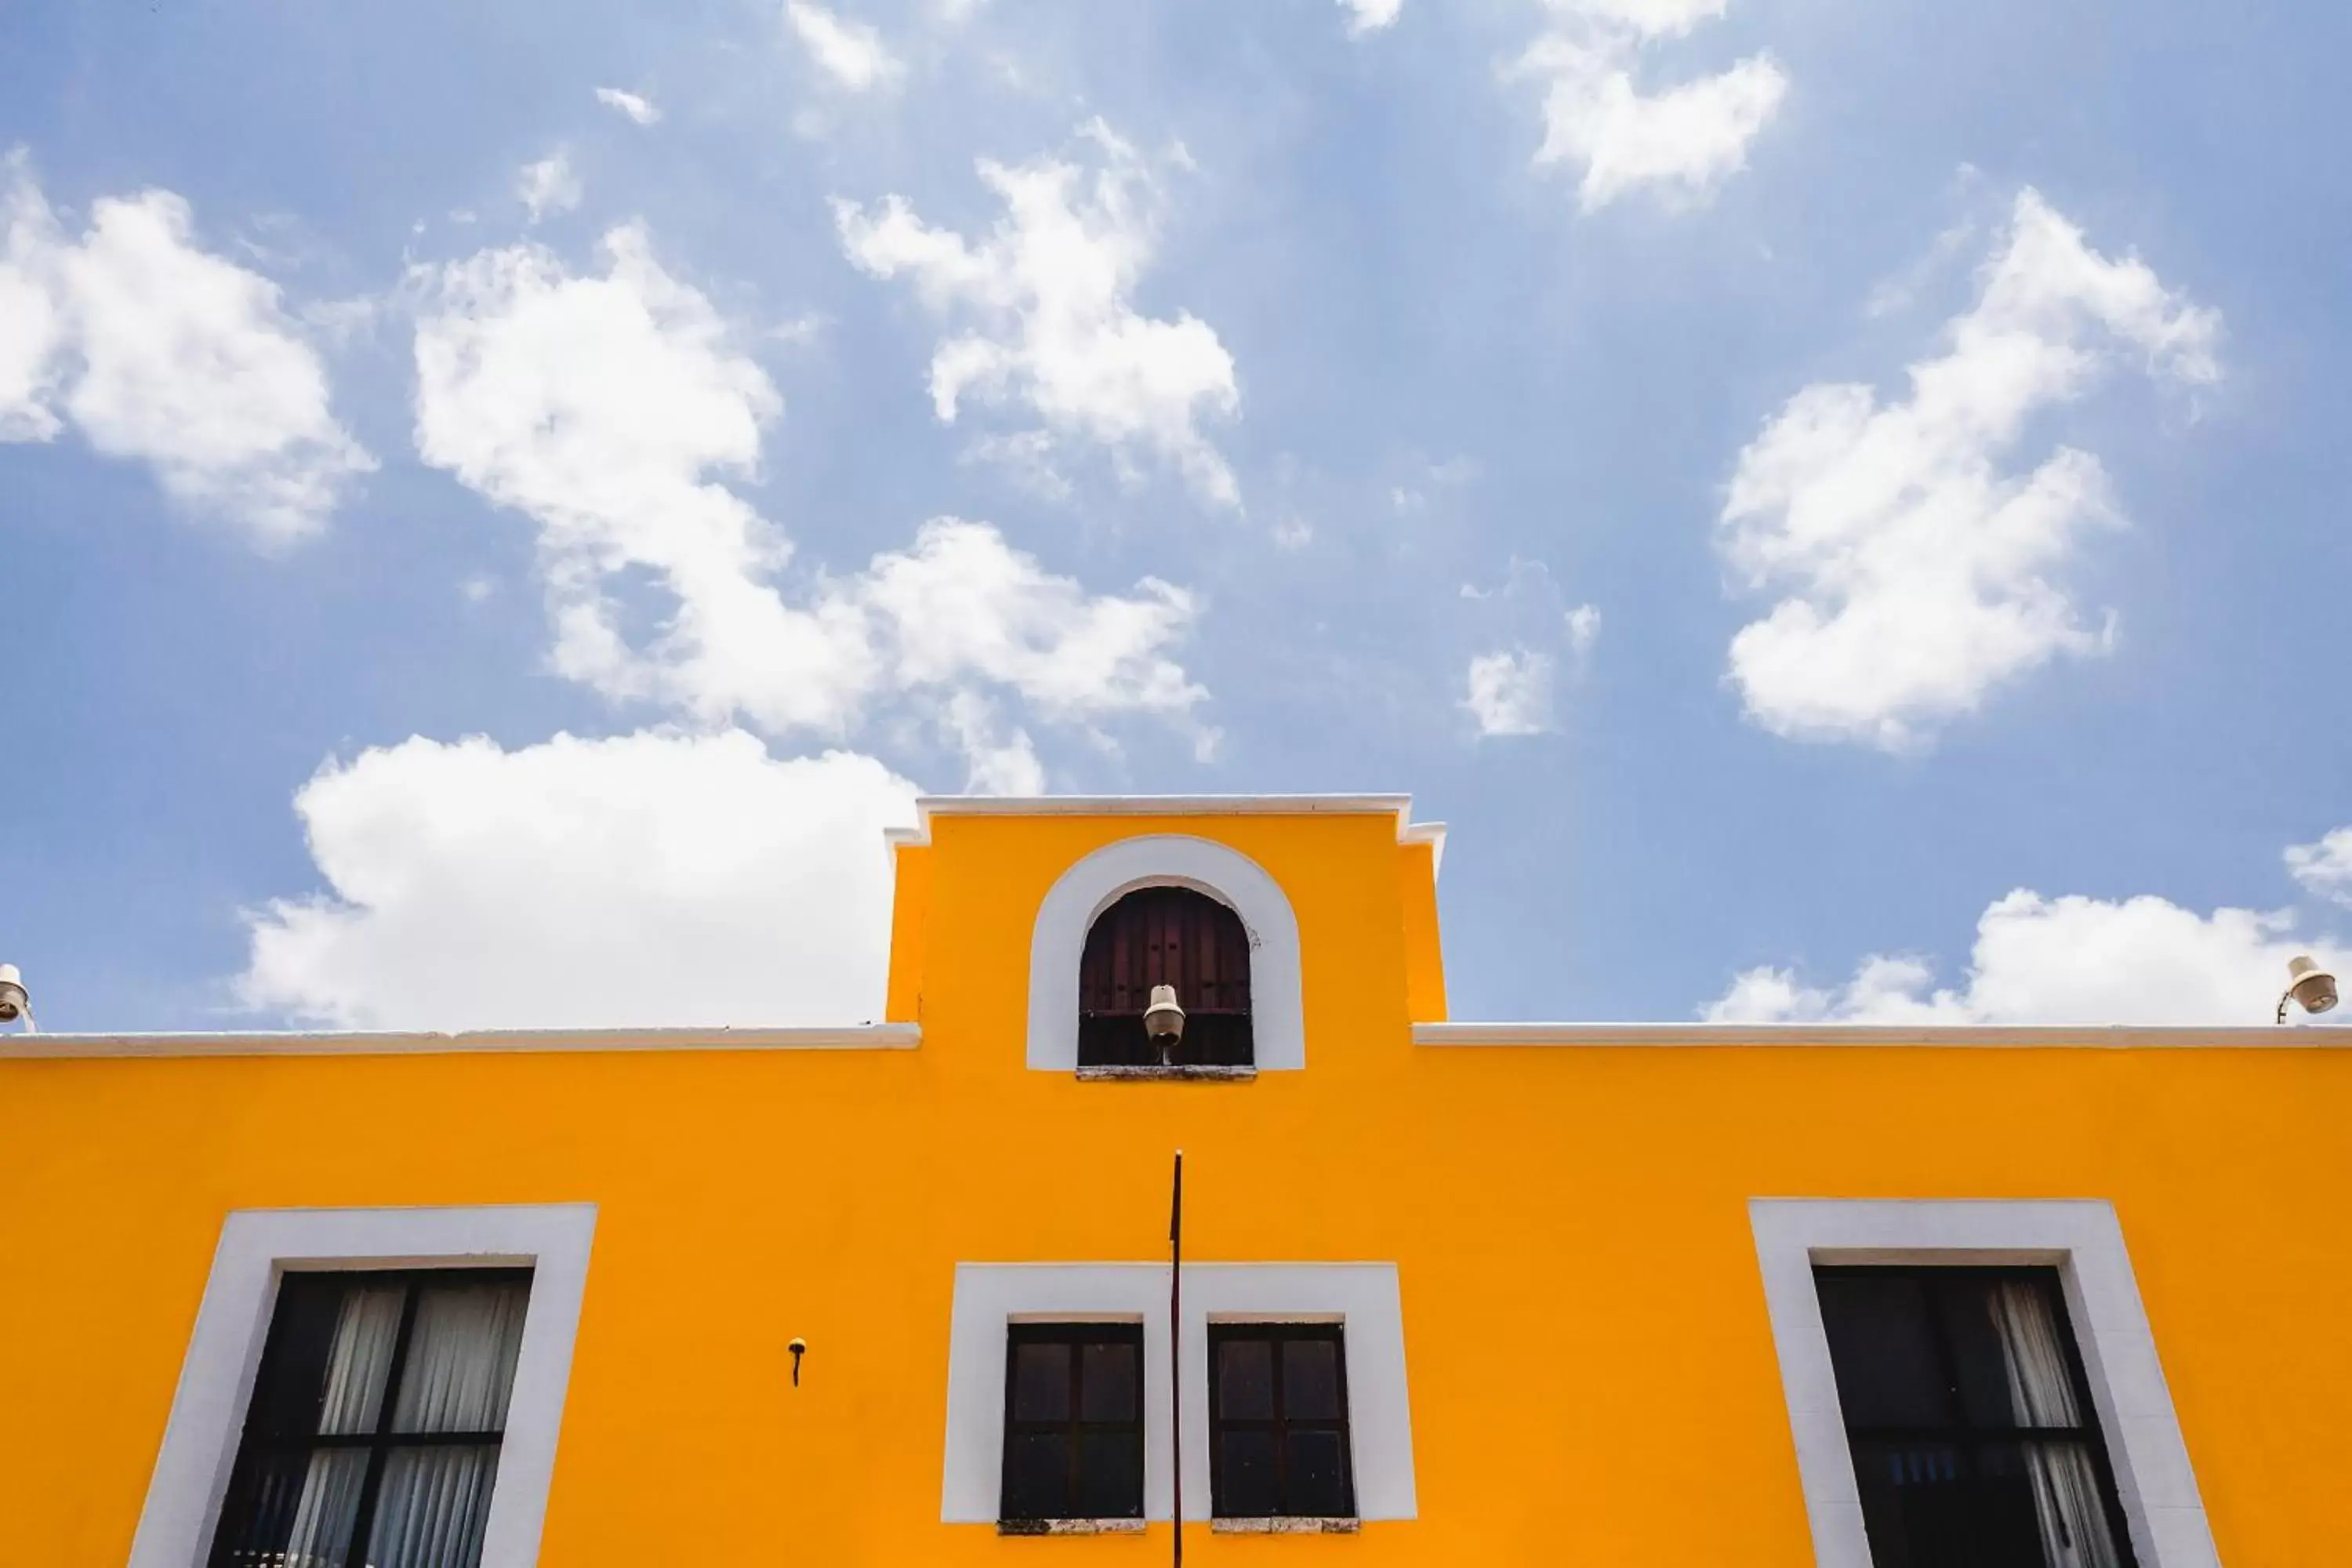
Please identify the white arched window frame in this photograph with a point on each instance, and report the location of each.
(1058, 940)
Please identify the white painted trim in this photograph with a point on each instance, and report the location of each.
(842, 1038)
(1952, 1036)
(1397, 806)
(2083, 1241)
(256, 1246)
(1095, 882)
(1363, 1297)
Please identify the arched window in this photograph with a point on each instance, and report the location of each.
(1165, 936)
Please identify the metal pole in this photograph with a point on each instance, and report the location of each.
(1176, 1352)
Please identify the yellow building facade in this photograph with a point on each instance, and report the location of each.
(1574, 1271)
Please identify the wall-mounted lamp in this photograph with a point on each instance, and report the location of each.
(15, 1002)
(799, 1348)
(2308, 986)
(1163, 1022)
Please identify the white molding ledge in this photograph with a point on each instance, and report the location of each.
(843, 1038)
(1095, 881)
(1398, 806)
(256, 1246)
(2081, 1239)
(1953, 1036)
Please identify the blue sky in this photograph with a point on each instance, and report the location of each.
(1508, 401)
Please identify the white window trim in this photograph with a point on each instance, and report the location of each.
(2082, 1240)
(1058, 940)
(1362, 1296)
(258, 1246)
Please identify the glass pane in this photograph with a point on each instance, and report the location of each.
(1111, 1475)
(1247, 1487)
(367, 1327)
(2071, 1506)
(1109, 1380)
(1319, 1475)
(1882, 1343)
(461, 1358)
(292, 1509)
(1310, 1380)
(1038, 1477)
(1927, 1505)
(434, 1506)
(286, 1396)
(1041, 1382)
(1972, 1326)
(1246, 1380)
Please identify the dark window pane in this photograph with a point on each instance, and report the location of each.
(1318, 1481)
(1246, 1485)
(1041, 1382)
(1037, 1476)
(1110, 1380)
(461, 1358)
(294, 1364)
(1246, 1380)
(1310, 1380)
(1110, 1475)
(1978, 1363)
(435, 1505)
(1882, 1343)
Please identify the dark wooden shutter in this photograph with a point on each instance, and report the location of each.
(1165, 936)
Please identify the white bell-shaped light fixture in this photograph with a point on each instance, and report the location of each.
(2310, 987)
(14, 1003)
(1164, 1021)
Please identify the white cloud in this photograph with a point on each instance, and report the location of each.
(852, 53)
(2325, 869)
(549, 186)
(1370, 16)
(609, 407)
(1918, 574)
(2070, 959)
(1583, 629)
(650, 880)
(636, 106)
(160, 351)
(1049, 294)
(1510, 692)
(1683, 142)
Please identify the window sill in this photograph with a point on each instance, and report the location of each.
(1181, 1074)
(1286, 1526)
(1069, 1527)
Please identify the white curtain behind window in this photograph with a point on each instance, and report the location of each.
(2074, 1532)
(458, 1377)
(366, 1326)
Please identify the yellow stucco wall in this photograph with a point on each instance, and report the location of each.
(1590, 1366)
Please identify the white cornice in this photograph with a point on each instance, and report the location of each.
(843, 1038)
(1398, 806)
(1956, 1036)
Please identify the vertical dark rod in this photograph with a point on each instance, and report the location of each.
(1176, 1350)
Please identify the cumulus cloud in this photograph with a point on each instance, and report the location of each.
(1583, 629)
(1683, 142)
(650, 880)
(1048, 297)
(851, 53)
(610, 409)
(1918, 572)
(1510, 691)
(549, 186)
(157, 351)
(2325, 868)
(1370, 16)
(2069, 960)
(636, 106)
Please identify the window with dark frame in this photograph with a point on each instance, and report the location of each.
(377, 1416)
(1165, 936)
(1073, 1423)
(1975, 1441)
(1278, 1440)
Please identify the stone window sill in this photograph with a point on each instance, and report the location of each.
(1069, 1527)
(1302, 1526)
(1182, 1074)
